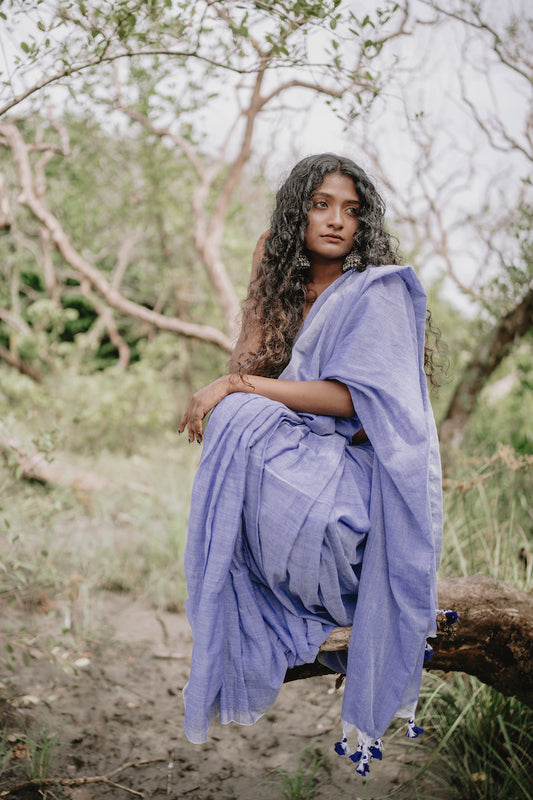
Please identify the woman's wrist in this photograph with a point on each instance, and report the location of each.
(231, 382)
(235, 382)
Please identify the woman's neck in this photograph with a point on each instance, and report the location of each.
(323, 275)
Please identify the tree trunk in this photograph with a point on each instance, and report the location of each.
(493, 638)
(511, 327)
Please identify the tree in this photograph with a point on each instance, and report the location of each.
(491, 639)
(170, 67)
(463, 200)
(175, 58)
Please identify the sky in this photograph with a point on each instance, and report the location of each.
(420, 103)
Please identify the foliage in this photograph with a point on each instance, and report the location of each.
(488, 755)
(505, 407)
(106, 192)
(302, 784)
(40, 748)
(165, 35)
(505, 290)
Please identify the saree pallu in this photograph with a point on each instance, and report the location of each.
(293, 530)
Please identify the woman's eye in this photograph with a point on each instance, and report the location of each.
(354, 210)
(320, 204)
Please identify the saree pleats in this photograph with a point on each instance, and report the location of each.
(293, 530)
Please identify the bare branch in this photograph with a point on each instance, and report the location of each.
(6, 220)
(513, 144)
(206, 235)
(123, 258)
(315, 87)
(14, 321)
(62, 242)
(20, 365)
(106, 322)
(147, 123)
(93, 62)
(479, 24)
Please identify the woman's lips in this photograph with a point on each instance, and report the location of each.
(332, 237)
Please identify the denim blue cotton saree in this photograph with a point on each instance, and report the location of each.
(293, 530)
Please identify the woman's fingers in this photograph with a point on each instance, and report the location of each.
(192, 420)
(201, 404)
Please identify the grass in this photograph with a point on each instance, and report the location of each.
(302, 783)
(489, 518)
(41, 745)
(5, 752)
(484, 741)
(129, 537)
(59, 548)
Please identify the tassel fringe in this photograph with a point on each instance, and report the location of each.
(451, 616)
(364, 753)
(413, 731)
(341, 748)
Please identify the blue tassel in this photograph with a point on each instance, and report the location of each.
(376, 750)
(355, 757)
(341, 748)
(428, 652)
(413, 731)
(362, 768)
(451, 616)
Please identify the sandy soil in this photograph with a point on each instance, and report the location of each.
(118, 700)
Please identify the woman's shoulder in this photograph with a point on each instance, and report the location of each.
(388, 278)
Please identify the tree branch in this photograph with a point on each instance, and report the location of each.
(106, 322)
(85, 780)
(206, 236)
(511, 327)
(179, 141)
(93, 62)
(61, 241)
(493, 638)
(480, 25)
(6, 220)
(16, 362)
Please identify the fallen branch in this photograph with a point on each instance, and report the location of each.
(107, 779)
(34, 466)
(492, 640)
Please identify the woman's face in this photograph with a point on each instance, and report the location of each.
(333, 219)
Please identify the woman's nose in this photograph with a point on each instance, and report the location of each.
(335, 218)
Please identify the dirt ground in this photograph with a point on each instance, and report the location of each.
(118, 700)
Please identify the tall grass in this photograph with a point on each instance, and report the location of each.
(489, 753)
(489, 517)
(483, 740)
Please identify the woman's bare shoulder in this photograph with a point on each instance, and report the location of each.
(259, 252)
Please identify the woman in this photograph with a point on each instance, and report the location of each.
(317, 501)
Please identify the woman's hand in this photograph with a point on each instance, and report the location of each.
(201, 404)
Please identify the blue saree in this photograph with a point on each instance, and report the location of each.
(293, 530)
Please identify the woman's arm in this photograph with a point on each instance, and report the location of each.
(249, 340)
(330, 398)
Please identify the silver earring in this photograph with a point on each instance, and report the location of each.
(302, 262)
(352, 261)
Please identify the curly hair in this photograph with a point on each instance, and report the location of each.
(276, 297)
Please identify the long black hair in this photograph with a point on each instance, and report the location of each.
(275, 302)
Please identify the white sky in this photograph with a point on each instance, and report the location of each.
(426, 79)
